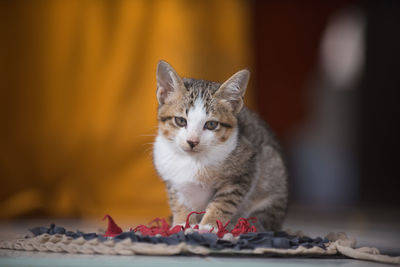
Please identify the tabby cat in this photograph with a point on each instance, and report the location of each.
(215, 155)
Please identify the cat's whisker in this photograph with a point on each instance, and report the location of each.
(147, 135)
(148, 151)
(149, 146)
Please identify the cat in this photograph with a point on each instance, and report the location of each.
(215, 155)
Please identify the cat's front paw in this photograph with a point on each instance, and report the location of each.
(208, 228)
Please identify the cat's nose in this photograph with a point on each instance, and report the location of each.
(192, 143)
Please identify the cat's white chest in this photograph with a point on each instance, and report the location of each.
(181, 172)
(194, 196)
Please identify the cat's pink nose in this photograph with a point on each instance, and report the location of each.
(192, 143)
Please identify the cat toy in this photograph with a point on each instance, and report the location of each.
(162, 228)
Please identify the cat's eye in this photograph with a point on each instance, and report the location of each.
(211, 125)
(181, 122)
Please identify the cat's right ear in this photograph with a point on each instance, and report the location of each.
(168, 81)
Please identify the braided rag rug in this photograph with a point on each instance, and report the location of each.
(158, 238)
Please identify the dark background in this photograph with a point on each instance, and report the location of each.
(287, 46)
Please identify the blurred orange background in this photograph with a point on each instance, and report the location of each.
(77, 100)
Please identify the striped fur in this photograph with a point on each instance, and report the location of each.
(235, 170)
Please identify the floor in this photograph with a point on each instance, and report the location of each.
(18, 258)
(373, 228)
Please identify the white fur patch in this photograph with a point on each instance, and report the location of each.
(197, 117)
(180, 168)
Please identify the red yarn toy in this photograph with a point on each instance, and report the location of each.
(162, 228)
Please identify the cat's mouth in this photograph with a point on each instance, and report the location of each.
(191, 150)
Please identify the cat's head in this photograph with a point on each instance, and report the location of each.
(198, 116)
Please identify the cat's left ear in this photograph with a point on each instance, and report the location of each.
(233, 89)
(168, 81)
